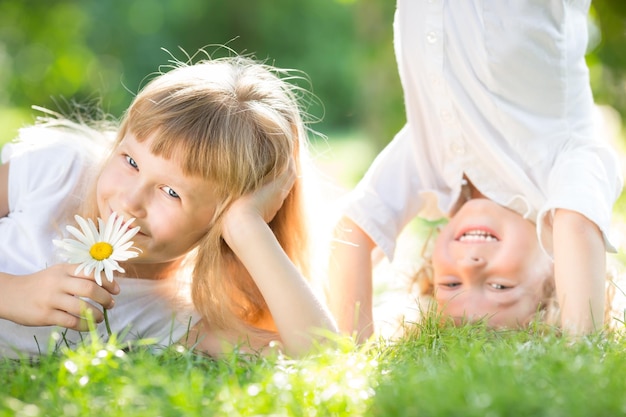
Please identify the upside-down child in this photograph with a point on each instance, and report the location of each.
(500, 137)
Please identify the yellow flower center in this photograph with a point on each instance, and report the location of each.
(101, 251)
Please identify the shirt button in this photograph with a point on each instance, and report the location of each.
(446, 116)
(457, 148)
(431, 37)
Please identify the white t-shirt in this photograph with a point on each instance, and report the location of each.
(45, 178)
(497, 90)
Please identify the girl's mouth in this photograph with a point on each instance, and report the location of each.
(477, 235)
(140, 232)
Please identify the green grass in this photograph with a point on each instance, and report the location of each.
(434, 371)
(472, 372)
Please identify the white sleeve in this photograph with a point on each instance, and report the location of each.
(587, 179)
(42, 185)
(388, 196)
(44, 177)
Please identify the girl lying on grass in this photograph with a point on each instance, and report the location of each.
(208, 161)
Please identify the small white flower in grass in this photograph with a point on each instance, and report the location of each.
(99, 249)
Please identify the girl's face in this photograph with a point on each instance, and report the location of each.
(173, 210)
(488, 265)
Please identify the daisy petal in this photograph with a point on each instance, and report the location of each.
(118, 230)
(101, 229)
(78, 268)
(110, 263)
(109, 274)
(98, 278)
(90, 266)
(88, 228)
(80, 236)
(123, 255)
(122, 248)
(106, 229)
(71, 244)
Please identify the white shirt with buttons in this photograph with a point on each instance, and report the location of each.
(497, 90)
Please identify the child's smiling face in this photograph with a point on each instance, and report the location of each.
(173, 210)
(488, 264)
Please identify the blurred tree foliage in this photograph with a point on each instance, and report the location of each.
(53, 51)
(607, 59)
(103, 50)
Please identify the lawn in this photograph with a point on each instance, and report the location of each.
(433, 370)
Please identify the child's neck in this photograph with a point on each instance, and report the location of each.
(468, 192)
(152, 271)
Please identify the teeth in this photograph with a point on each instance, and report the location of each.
(477, 236)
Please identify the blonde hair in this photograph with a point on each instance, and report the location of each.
(236, 122)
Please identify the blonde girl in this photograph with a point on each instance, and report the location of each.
(209, 161)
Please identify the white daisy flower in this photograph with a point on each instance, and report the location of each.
(99, 248)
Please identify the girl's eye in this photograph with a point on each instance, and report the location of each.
(497, 286)
(131, 161)
(171, 192)
(450, 284)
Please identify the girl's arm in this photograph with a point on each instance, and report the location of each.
(580, 272)
(350, 280)
(51, 298)
(295, 308)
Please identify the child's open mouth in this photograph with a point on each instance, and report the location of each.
(477, 235)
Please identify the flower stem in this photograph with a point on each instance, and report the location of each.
(106, 322)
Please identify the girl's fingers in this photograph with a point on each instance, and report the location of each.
(85, 286)
(110, 287)
(74, 313)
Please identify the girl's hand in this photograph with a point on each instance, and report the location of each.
(297, 311)
(264, 202)
(54, 297)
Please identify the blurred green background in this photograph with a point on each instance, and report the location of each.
(102, 50)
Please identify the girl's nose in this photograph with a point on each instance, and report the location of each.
(471, 262)
(133, 202)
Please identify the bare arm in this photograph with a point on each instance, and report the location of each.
(580, 272)
(295, 308)
(350, 274)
